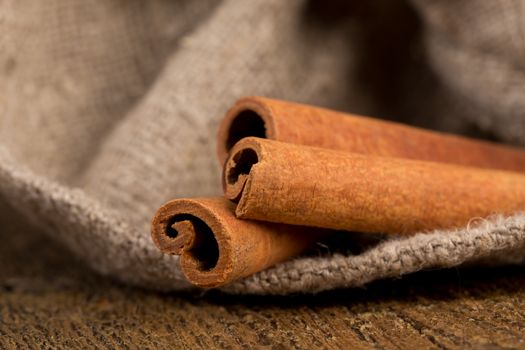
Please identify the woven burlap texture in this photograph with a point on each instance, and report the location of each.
(110, 108)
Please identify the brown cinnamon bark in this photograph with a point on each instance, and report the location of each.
(313, 126)
(216, 248)
(280, 182)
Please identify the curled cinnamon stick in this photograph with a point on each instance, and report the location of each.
(216, 248)
(313, 126)
(293, 184)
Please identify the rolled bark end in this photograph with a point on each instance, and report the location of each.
(216, 248)
(192, 229)
(250, 116)
(237, 168)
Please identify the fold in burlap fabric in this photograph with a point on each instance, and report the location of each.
(108, 109)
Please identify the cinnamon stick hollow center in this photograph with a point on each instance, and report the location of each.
(280, 182)
(216, 248)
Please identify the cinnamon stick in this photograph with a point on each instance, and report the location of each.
(280, 182)
(313, 126)
(216, 248)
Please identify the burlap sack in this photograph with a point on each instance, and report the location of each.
(109, 109)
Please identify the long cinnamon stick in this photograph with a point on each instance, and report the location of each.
(293, 184)
(313, 126)
(216, 247)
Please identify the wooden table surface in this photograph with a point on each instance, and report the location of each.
(50, 300)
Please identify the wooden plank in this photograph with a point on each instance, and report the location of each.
(48, 299)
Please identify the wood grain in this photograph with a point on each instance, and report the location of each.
(49, 300)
